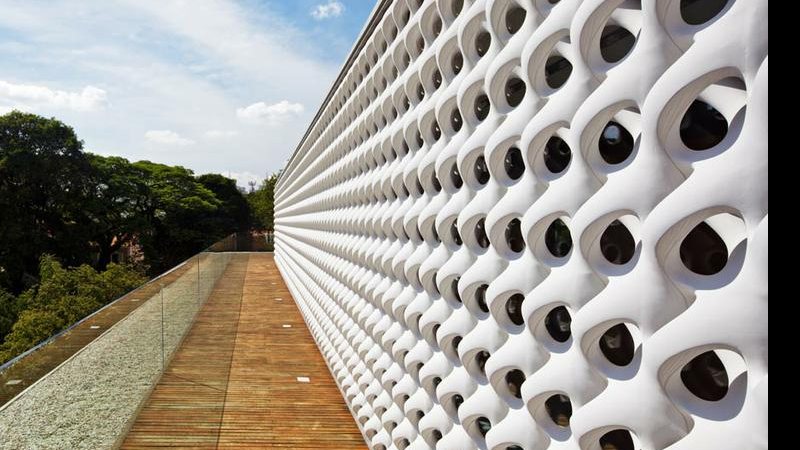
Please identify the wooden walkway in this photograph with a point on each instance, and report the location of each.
(233, 383)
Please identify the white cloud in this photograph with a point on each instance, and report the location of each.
(243, 178)
(219, 134)
(167, 137)
(270, 113)
(328, 10)
(89, 99)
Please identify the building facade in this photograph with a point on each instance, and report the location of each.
(531, 224)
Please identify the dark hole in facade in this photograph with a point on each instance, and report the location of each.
(455, 120)
(513, 163)
(697, 12)
(484, 425)
(454, 285)
(457, 63)
(514, 380)
(480, 297)
(558, 239)
(558, 324)
(455, 234)
(457, 400)
(514, 236)
(557, 155)
(515, 17)
(702, 126)
(482, 43)
(481, 170)
(615, 143)
(420, 92)
(703, 251)
(437, 79)
(515, 91)
(617, 345)
(437, 133)
(481, 359)
(480, 233)
(557, 70)
(436, 187)
(482, 106)
(514, 309)
(616, 440)
(559, 408)
(705, 376)
(455, 176)
(615, 43)
(617, 244)
(456, 7)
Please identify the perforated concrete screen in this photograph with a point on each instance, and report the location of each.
(530, 224)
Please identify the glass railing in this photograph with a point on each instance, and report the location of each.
(82, 387)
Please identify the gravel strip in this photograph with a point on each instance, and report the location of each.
(87, 402)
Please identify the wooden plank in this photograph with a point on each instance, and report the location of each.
(233, 382)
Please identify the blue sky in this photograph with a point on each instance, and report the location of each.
(226, 86)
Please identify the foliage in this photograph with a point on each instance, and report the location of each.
(43, 183)
(63, 297)
(262, 202)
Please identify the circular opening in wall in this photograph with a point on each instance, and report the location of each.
(557, 70)
(456, 237)
(615, 43)
(515, 91)
(457, 63)
(514, 164)
(456, 341)
(437, 79)
(559, 408)
(482, 106)
(558, 324)
(482, 43)
(480, 361)
(698, 12)
(557, 155)
(514, 236)
(454, 287)
(456, 400)
(705, 377)
(558, 239)
(403, 443)
(616, 440)
(437, 26)
(514, 309)
(420, 45)
(702, 126)
(455, 120)
(436, 187)
(615, 143)
(435, 331)
(617, 345)
(703, 251)
(455, 176)
(515, 17)
(481, 170)
(483, 425)
(514, 380)
(617, 244)
(480, 234)
(480, 297)
(420, 92)
(456, 7)
(420, 414)
(435, 130)
(436, 435)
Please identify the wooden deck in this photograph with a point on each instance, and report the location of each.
(233, 383)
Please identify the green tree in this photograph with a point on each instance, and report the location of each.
(180, 204)
(44, 182)
(119, 205)
(63, 297)
(234, 211)
(262, 203)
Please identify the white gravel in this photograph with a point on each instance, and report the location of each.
(88, 401)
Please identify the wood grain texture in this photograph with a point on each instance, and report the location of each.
(233, 382)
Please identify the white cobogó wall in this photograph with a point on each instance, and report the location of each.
(618, 298)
